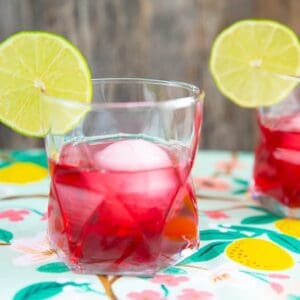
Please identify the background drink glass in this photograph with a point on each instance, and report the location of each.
(276, 176)
(121, 198)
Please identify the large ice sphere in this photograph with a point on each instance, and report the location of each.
(133, 155)
(140, 169)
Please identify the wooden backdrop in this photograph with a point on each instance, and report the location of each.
(162, 39)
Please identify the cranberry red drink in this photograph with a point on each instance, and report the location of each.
(277, 160)
(121, 199)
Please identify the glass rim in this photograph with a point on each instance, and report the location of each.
(195, 95)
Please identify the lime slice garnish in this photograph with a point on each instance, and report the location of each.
(249, 58)
(38, 65)
(61, 115)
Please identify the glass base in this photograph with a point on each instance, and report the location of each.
(142, 269)
(275, 206)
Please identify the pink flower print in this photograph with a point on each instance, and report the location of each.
(211, 183)
(145, 295)
(14, 215)
(228, 166)
(216, 214)
(279, 276)
(192, 294)
(35, 250)
(44, 217)
(170, 280)
(277, 287)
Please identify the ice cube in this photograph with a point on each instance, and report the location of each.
(76, 155)
(133, 155)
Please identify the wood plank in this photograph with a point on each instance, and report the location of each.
(169, 39)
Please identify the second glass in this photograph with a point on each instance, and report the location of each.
(121, 198)
(277, 161)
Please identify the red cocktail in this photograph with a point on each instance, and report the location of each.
(121, 198)
(110, 209)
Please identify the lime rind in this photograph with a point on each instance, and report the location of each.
(238, 64)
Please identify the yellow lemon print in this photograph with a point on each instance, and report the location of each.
(289, 226)
(259, 254)
(22, 172)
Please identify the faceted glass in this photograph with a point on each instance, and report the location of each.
(121, 198)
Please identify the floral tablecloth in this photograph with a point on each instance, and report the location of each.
(245, 253)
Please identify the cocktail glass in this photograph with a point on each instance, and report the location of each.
(121, 197)
(276, 174)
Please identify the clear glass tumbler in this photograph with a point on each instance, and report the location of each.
(121, 198)
(276, 174)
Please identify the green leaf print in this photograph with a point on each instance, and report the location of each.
(174, 270)
(262, 219)
(165, 290)
(5, 236)
(258, 208)
(4, 164)
(41, 290)
(35, 156)
(241, 181)
(253, 230)
(56, 267)
(293, 297)
(213, 234)
(47, 289)
(240, 191)
(207, 252)
(288, 242)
